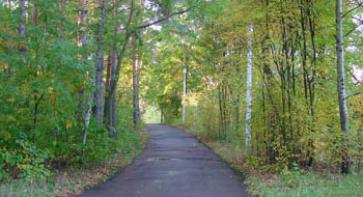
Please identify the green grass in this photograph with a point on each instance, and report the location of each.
(306, 185)
(27, 188)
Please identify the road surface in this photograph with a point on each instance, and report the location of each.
(174, 164)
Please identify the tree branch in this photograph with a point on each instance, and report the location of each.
(358, 25)
(165, 18)
(351, 10)
(358, 81)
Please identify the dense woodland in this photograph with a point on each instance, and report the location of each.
(279, 80)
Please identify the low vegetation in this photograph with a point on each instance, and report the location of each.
(73, 180)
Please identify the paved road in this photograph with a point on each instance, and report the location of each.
(174, 164)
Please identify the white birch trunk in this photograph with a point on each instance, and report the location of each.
(184, 93)
(249, 89)
(340, 68)
(23, 17)
(87, 119)
(82, 41)
(343, 109)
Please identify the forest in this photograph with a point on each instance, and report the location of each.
(274, 87)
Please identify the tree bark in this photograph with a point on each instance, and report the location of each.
(343, 109)
(135, 85)
(113, 98)
(249, 90)
(99, 68)
(82, 38)
(85, 112)
(110, 101)
(184, 93)
(111, 93)
(22, 27)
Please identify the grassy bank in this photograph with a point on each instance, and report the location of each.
(71, 181)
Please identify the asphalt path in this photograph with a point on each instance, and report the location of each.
(174, 164)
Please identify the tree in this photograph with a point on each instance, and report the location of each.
(23, 17)
(99, 68)
(249, 90)
(136, 63)
(110, 98)
(185, 73)
(342, 96)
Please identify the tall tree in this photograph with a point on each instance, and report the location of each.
(114, 77)
(342, 97)
(249, 88)
(99, 68)
(136, 62)
(23, 17)
(85, 112)
(110, 100)
(184, 112)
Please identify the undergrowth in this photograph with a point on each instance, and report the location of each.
(72, 180)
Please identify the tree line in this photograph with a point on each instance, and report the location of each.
(272, 78)
(69, 74)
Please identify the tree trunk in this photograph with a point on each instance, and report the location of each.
(99, 94)
(113, 114)
(343, 109)
(184, 93)
(135, 85)
(249, 91)
(111, 93)
(110, 101)
(82, 39)
(85, 112)
(22, 28)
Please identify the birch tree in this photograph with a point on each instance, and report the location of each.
(184, 93)
(249, 89)
(23, 17)
(342, 97)
(85, 114)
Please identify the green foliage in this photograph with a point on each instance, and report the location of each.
(32, 160)
(26, 158)
(295, 115)
(46, 80)
(127, 145)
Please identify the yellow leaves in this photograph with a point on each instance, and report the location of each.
(192, 100)
(11, 100)
(4, 65)
(69, 124)
(6, 135)
(39, 73)
(11, 118)
(25, 88)
(50, 90)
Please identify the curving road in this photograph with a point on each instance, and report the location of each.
(174, 164)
